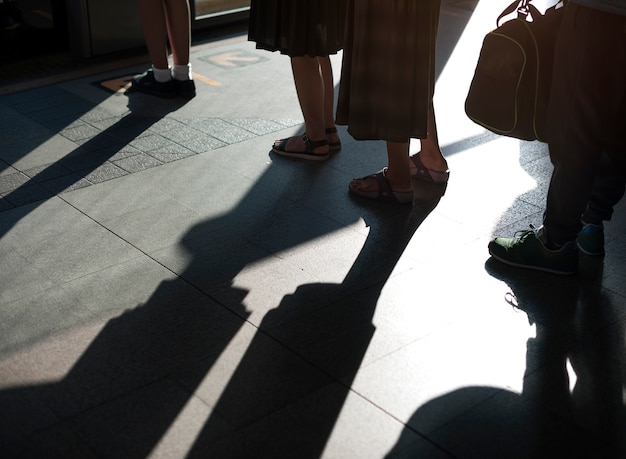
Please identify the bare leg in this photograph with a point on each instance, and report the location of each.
(397, 174)
(310, 88)
(179, 29)
(430, 153)
(329, 97)
(153, 24)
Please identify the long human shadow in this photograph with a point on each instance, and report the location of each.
(578, 413)
(69, 171)
(129, 386)
(286, 394)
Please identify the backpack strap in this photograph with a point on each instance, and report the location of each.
(519, 5)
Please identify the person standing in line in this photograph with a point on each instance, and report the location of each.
(308, 31)
(166, 21)
(586, 139)
(386, 92)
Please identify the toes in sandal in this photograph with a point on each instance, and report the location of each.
(384, 192)
(429, 175)
(333, 146)
(280, 147)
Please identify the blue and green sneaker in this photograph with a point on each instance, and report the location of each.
(590, 239)
(528, 249)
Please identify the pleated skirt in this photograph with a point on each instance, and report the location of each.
(298, 27)
(388, 70)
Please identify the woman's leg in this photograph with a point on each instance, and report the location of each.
(430, 152)
(397, 174)
(309, 83)
(329, 97)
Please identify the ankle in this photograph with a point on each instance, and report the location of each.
(162, 75)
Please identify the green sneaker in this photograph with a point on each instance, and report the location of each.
(528, 250)
(590, 240)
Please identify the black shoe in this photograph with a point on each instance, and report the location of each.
(185, 88)
(147, 84)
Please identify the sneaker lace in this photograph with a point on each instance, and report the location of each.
(523, 234)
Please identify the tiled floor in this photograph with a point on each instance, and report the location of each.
(170, 289)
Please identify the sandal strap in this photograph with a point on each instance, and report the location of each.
(331, 130)
(311, 144)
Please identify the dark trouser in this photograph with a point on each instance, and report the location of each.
(587, 121)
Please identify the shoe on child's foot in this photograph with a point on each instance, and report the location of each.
(530, 250)
(146, 83)
(185, 88)
(590, 239)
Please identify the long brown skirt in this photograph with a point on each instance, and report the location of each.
(298, 27)
(388, 71)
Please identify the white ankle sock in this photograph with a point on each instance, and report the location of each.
(162, 75)
(181, 72)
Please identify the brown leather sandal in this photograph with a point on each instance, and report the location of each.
(309, 146)
(333, 146)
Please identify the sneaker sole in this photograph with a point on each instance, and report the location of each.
(163, 95)
(591, 254)
(536, 268)
(307, 156)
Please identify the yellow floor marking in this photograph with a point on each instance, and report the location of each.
(206, 80)
(120, 84)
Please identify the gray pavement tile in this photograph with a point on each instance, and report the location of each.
(16, 429)
(256, 126)
(136, 425)
(63, 122)
(21, 128)
(111, 291)
(308, 428)
(136, 162)
(57, 441)
(201, 143)
(36, 223)
(6, 168)
(97, 142)
(32, 95)
(170, 153)
(77, 252)
(55, 109)
(78, 133)
(37, 150)
(131, 127)
(10, 182)
(69, 182)
(85, 159)
(97, 114)
(105, 172)
(36, 316)
(280, 378)
(150, 142)
(46, 172)
(27, 194)
(220, 129)
(4, 204)
(211, 261)
(121, 152)
(176, 328)
(18, 277)
(154, 226)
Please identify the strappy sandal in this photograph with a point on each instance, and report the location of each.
(333, 146)
(420, 171)
(384, 193)
(309, 146)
